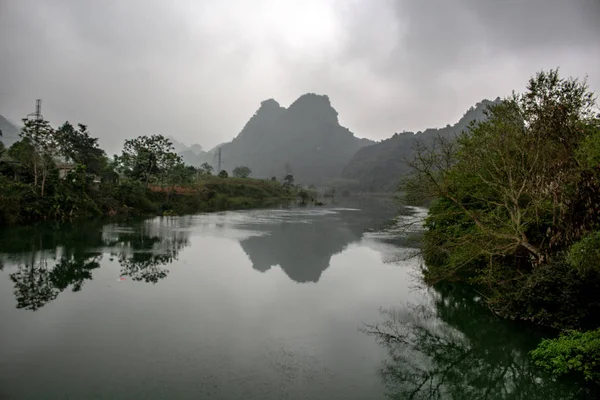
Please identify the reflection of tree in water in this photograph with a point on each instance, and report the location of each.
(457, 350)
(52, 258)
(74, 270)
(40, 279)
(143, 251)
(33, 284)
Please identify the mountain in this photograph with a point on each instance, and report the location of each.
(378, 167)
(192, 155)
(306, 137)
(10, 132)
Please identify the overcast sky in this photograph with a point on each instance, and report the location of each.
(198, 69)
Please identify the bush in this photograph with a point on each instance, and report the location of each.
(573, 353)
(584, 255)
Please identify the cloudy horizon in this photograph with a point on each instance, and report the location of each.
(198, 70)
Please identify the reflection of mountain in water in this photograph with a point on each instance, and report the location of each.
(51, 258)
(302, 250)
(303, 245)
(456, 349)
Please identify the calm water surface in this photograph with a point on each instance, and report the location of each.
(301, 303)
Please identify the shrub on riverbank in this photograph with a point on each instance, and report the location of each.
(516, 205)
(572, 353)
(20, 204)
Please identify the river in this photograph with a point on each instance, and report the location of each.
(286, 303)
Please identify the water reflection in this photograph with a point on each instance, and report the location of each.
(52, 258)
(455, 349)
(144, 251)
(303, 246)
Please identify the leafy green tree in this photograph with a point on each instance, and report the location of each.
(303, 194)
(147, 158)
(22, 153)
(206, 168)
(44, 145)
(573, 352)
(288, 182)
(506, 188)
(241, 172)
(77, 146)
(223, 174)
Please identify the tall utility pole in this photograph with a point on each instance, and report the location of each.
(37, 115)
(219, 164)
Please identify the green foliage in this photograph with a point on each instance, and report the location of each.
(153, 179)
(554, 295)
(511, 193)
(588, 153)
(77, 146)
(223, 174)
(206, 168)
(573, 352)
(514, 210)
(241, 172)
(584, 255)
(288, 182)
(148, 159)
(303, 194)
(43, 147)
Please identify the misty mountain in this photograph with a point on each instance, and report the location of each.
(192, 155)
(306, 136)
(378, 167)
(10, 132)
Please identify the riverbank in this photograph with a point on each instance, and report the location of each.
(20, 204)
(514, 213)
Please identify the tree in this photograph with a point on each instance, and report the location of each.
(303, 194)
(242, 172)
(44, 145)
(77, 146)
(508, 186)
(206, 168)
(223, 174)
(288, 182)
(148, 157)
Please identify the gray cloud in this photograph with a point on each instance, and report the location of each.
(198, 70)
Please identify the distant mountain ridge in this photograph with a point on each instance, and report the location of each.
(306, 137)
(378, 167)
(10, 132)
(192, 155)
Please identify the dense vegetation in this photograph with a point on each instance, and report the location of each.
(63, 173)
(516, 211)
